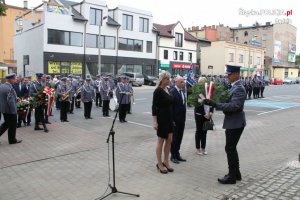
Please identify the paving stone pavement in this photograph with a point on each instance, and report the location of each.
(282, 184)
(71, 162)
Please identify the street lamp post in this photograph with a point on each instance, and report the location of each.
(250, 61)
(99, 49)
(99, 45)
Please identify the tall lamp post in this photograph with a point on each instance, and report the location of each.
(249, 61)
(99, 46)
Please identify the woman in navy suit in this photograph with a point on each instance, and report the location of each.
(162, 121)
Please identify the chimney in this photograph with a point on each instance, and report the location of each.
(240, 25)
(25, 2)
(268, 23)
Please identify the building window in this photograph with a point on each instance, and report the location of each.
(264, 37)
(95, 16)
(107, 42)
(138, 45)
(246, 33)
(149, 47)
(175, 55)
(231, 57)
(180, 55)
(91, 41)
(64, 37)
(76, 39)
(20, 21)
(144, 25)
(127, 22)
(178, 39)
(166, 52)
(241, 58)
(130, 44)
(250, 60)
(190, 57)
(258, 61)
(236, 39)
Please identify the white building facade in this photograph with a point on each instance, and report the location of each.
(177, 49)
(64, 39)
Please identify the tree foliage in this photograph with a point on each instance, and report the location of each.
(2, 8)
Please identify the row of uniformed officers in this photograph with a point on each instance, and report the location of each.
(70, 92)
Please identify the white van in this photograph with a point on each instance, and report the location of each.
(135, 78)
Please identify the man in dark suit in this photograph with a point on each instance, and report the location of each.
(21, 91)
(26, 82)
(179, 116)
(234, 123)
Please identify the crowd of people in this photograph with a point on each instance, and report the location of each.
(169, 115)
(21, 96)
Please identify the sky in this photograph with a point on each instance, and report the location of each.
(213, 12)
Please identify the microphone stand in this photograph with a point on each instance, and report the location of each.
(112, 134)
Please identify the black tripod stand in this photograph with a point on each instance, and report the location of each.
(112, 134)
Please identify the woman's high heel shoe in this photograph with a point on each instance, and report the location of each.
(163, 171)
(168, 168)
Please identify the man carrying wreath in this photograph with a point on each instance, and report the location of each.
(39, 101)
(234, 123)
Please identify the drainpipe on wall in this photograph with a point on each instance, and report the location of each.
(157, 55)
(84, 51)
(117, 51)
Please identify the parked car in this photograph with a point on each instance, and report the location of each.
(276, 81)
(150, 80)
(298, 80)
(289, 80)
(136, 79)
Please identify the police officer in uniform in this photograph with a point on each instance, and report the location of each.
(63, 92)
(74, 85)
(27, 95)
(8, 107)
(49, 84)
(249, 87)
(87, 97)
(234, 123)
(123, 99)
(78, 92)
(105, 92)
(129, 89)
(36, 88)
(97, 89)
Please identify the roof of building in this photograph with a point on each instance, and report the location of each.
(77, 15)
(68, 3)
(252, 27)
(16, 7)
(166, 31)
(112, 22)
